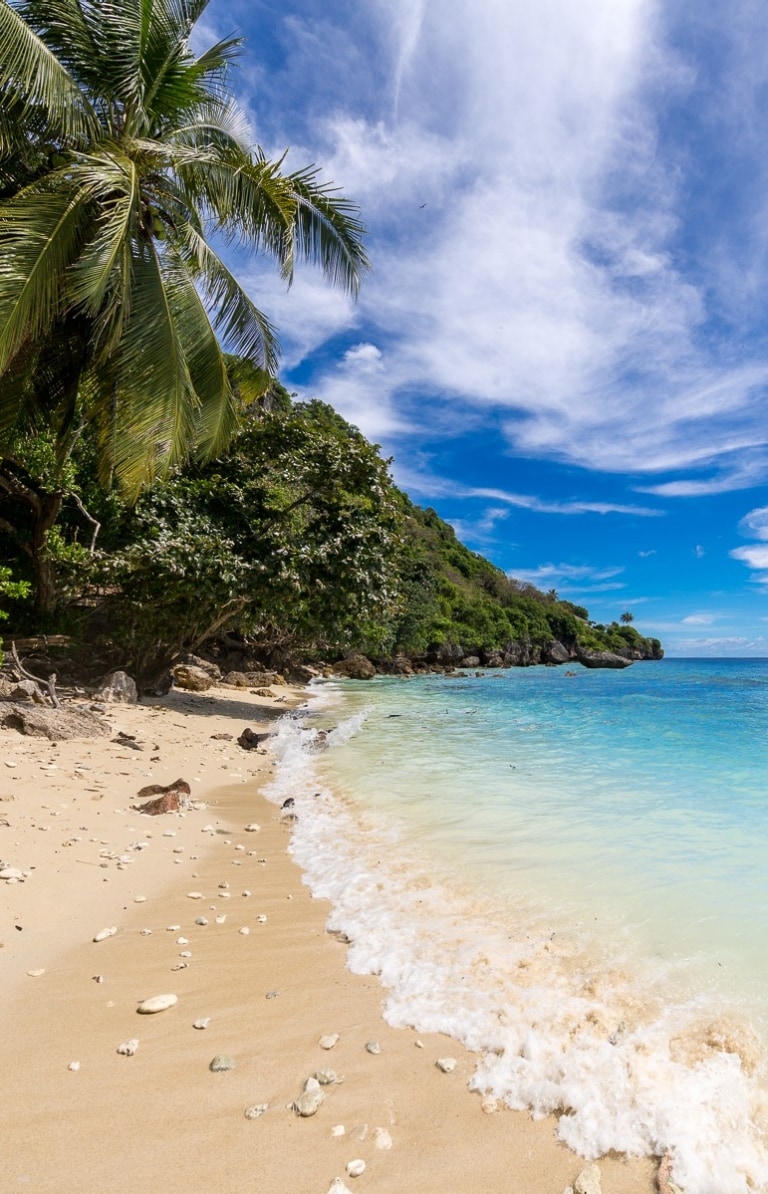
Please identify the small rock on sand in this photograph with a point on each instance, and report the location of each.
(256, 1111)
(446, 1064)
(338, 1187)
(128, 1048)
(203, 1022)
(220, 1063)
(382, 1139)
(327, 1042)
(588, 1181)
(373, 1047)
(157, 1003)
(356, 1168)
(308, 1102)
(104, 933)
(74, 1066)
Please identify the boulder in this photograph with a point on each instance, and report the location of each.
(470, 661)
(555, 652)
(251, 740)
(27, 692)
(172, 798)
(39, 721)
(191, 678)
(252, 679)
(211, 669)
(355, 667)
(117, 688)
(603, 659)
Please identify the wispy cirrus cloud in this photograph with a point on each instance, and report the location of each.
(528, 201)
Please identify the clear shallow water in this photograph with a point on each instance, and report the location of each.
(568, 874)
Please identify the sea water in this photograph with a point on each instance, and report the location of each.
(567, 871)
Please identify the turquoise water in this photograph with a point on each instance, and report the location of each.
(569, 873)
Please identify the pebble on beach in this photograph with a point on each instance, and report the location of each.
(309, 1101)
(104, 933)
(256, 1111)
(356, 1168)
(382, 1139)
(327, 1042)
(220, 1063)
(203, 1022)
(588, 1181)
(128, 1048)
(338, 1187)
(74, 1066)
(157, 1003)
(446, 1064)
(373, 1047)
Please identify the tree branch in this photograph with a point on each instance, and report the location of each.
(50, 683)
(94, 522)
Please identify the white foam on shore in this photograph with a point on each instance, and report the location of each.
(560, 1026)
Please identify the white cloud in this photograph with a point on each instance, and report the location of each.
(755, 557)
(755, 524)
(699, 620)
(547, 576)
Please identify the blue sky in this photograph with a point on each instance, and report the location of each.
(564, 339)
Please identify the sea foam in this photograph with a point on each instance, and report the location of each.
(561, 1025)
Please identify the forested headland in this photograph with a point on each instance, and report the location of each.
(292, 546)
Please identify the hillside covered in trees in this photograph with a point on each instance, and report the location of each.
(294, 544)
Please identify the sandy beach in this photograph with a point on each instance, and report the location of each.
(262, 971)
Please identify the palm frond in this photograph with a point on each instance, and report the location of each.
(328, 230)
(155, 407)
(243, 327)
(113, 183)
(41, 231)
(217, 417)
(31, 70)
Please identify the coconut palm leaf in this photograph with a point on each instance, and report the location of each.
(35, 74)
(244, 328)
(41, 231)
(121, 154)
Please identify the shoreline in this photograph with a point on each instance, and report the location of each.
(160, 1120)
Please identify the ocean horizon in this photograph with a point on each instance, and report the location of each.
(565, 870)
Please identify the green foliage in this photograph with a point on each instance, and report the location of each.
(121, 155)
(16, 590)
(290, 537)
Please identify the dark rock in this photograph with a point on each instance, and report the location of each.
(222, 737)
(38, 721)
(171, 799)
(191, 678)
(355, 667)
(555, 652)
(250, 740)
(118, 688)
(470, 661)
(603, 659)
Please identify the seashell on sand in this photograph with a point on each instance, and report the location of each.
(157, 1003)
(203, 1022)
(356, 1168)
(338, 1187)
(128, 1048)
(104, 933)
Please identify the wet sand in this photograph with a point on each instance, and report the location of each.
(160, 1121)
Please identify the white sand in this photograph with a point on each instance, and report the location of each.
(160, 1121)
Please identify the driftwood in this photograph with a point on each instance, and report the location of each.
(49, 684)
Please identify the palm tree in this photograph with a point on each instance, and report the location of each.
(121, 158)
(627, 617)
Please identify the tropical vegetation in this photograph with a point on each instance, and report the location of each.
(125, 170)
